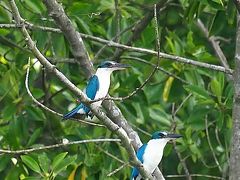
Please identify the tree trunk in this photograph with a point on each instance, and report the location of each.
(235, 149)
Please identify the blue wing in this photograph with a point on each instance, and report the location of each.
(92, 87)
(91, 91)
(140, 153)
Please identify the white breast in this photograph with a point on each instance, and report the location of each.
(153, 154)
(103, 75)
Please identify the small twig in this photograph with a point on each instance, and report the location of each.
(140, 26)
(195, 175)
(118, 169)
(30, 94)
(181, 105)
(216, 47)
(111, 155)
(153, 65)
(25, 151)
(113, 39)
(210, 145)
(173, 128)
(150, 75)
(217, 137)
(140, 130)
(206, 165)
(118, 20)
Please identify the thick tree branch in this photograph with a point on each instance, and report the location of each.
(120, 132)
(59, 16)
(75, 40)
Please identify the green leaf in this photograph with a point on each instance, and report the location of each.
(158, 114)
(36, 114)
(231, 12)
(220, 120)
(179, 168)
(217, 4)
(37, 93)
(4, 160)
(198, 91)
(63, 165)
(31, 178)
(140, 115)
(197, 117)
(31, 163)
(34, 136)
(216, 88)
(190, 13)
(58, 159)
(44, 162)
(8, 111)
(218, 23)
(33, 5)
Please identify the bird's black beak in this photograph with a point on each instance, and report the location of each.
(120, 66)
(173, 136)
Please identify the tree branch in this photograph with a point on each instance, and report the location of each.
(48, 109)
(195, 175)
(120, 132)
(130, 48)
(210, 145)
(173, 128)
(74, 38)
(216, 47)
(25, 151)
(139, 27)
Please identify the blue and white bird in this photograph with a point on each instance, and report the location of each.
(97, 87)
(150, 154)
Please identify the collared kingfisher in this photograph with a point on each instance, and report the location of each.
(150, 154)
(97, 87)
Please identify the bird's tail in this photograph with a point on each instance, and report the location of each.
(73, 112)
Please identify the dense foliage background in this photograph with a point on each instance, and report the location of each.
(203, 95)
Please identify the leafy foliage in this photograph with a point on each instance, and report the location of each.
(24, 125)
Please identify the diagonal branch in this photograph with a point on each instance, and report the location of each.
(119, 131)
(75, 40)
(47, 108)
(216, 46)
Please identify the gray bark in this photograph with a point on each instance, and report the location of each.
(235, 147)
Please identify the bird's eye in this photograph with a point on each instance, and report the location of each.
(161, 135)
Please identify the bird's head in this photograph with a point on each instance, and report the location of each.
(112, 65)
(165, 135)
